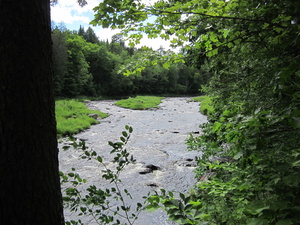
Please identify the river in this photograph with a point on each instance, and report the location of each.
(158, 139)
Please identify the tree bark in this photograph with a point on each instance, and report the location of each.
(29, 176)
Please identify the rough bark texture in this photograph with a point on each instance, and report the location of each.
(29, 181)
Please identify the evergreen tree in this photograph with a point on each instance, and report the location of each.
(90, 36)
(81, 31)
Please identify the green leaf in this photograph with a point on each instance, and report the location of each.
(213, 37)
(152, 207)
(99, 158)
(71, 174)
(225, 33)
(182, 196)
(124, 133)
(177, 218)
(285, 222)
(123, 139)
(195, 204)
(170, 204)
(238, 155)
(66, 147)
(217, 126)
(130, 129)
(259, 210)
(166, 65)
(83, 209)
(257, 221)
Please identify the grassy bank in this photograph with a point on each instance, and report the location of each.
(140, 102)
(72, 117)
(206, 107)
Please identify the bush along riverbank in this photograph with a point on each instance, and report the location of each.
(206, 107)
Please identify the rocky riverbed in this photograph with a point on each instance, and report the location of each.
(157, 143)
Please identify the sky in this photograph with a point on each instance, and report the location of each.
(72, 15)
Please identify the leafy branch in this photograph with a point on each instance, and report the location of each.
(97, 202)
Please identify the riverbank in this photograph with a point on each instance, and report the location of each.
(158, 139)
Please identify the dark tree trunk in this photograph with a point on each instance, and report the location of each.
(29, 177)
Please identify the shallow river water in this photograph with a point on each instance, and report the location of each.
(158, 139)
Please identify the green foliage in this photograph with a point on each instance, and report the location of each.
(206, 107)
(90, 36)
(140, 102)
(73, 116)
(224, 24)
(252, 50)
(83, 65)
(78, 81)
(100, 204)
(259, 126)
(181, 209)
(59, 59)
(152, 75)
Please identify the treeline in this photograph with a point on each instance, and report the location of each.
(85, 65)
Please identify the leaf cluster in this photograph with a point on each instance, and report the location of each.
(249, 172)
(252, 50)
(95, 202)
(84, 65)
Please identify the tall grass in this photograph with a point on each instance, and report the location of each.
(206, 107)
(72, 117)
(140, 102)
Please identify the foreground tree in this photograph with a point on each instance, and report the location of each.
(30, 189)
(251, 162)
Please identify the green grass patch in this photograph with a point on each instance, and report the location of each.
(206, 107)
(72, 117)
(140, 102)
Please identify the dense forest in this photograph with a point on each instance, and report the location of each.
(85, 65)
(249, 172)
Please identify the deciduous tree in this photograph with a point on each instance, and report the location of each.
(30, 188)
(252, 48)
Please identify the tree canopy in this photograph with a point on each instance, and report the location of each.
(252, 48)
(85, 65)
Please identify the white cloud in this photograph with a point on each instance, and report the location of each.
(62, 14)
(105, 34)
(69, 12)
(154, 43)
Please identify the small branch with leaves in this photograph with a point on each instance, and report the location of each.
(98, 203)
